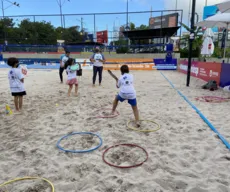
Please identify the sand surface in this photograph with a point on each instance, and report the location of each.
(184, 155)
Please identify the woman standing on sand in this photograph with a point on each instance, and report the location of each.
(97, 59)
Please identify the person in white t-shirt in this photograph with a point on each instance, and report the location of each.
(97, 59)
(63, 60)
(71, 76)
(127, 92)
(16, 80)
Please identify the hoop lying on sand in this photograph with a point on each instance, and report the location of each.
(145, 130)
(28, 178)
(79, 151)
(130, 166)
(212, 99)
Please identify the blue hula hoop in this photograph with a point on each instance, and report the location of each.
(79, 151)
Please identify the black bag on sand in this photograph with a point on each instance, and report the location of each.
(79, 72)
(211, 85)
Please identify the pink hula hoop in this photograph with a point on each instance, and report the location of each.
(212, 99)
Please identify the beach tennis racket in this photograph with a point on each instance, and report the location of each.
(114, 76)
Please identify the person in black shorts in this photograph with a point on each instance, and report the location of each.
(63, 60)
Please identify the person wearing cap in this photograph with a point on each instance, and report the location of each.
(63, 60)
(97, 59)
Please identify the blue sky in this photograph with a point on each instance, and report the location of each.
(103, 22)
(39, 7)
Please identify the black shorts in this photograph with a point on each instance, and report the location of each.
(19, 94)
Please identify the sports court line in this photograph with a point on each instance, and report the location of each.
(199, 112)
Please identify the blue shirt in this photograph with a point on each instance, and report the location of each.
(63, 55)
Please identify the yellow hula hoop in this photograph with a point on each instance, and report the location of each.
(27, 178)
(146, 130)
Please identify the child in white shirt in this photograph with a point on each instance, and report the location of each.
(16, 80)
(127, 92)
(72, 76)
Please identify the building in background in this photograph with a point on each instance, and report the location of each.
(115, 33)
(122, 29)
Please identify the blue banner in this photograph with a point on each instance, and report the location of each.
(162, 64)
(88, 37)
(224, 76)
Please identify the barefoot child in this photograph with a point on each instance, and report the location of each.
(16, 80)
(72, 76)
(127, 91)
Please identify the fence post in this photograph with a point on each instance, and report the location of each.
(94, 26)
(36, 36)
(161, 30)
(64, 20)
(182, 12)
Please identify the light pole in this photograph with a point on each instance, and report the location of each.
(206, 2)
(60, 4)
(127, 28)
(189, 11)
(176, 4)
(81, 21)
(3, 13)
(192, 37)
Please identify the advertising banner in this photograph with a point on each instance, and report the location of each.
(102, 36)
(145, 67)
(203, 70)
(162, 64)
(225, 75)
(164, 21)
(60, 44)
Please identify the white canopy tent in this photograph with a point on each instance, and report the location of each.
(218, 20)
(224, 7)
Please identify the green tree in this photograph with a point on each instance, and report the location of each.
(197, 43)
(72, 34)
(37, 32)
(142, 27)
(7, 30)
(132, 26)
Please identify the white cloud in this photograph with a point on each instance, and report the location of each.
(184, 5)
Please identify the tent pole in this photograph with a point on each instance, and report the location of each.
(226, 38)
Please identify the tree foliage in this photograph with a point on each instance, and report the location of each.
(197, 42)
(39, 32)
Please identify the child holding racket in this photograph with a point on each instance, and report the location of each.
(127, 91)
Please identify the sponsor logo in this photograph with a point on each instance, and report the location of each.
(213, 74)
(194, 70)
(165, 67)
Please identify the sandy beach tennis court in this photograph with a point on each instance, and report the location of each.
(184, 155)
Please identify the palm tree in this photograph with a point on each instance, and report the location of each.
(197, 43)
